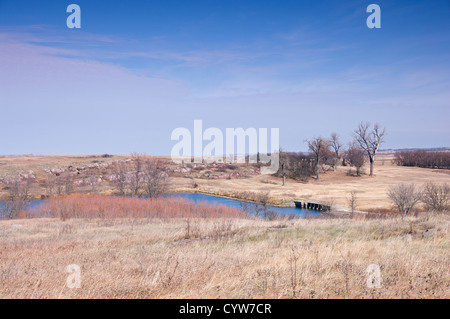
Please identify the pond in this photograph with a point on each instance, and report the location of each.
(196, 197)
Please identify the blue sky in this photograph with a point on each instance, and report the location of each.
(137, 70)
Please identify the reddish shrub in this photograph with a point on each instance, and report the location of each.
(97, 206)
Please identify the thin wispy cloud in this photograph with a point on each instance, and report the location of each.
(134, 74)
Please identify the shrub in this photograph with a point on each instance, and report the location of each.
(436, 197)
(296, 166)
(404, 197)
(97, 206)
(355, 157)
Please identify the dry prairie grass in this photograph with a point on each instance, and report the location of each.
(225, 258)
(333, 186)
(109, 207)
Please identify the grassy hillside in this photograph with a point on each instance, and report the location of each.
(225, 257)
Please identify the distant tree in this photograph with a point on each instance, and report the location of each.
(404, 197)
(18, 195)
(120, 178)
(353, 201)
(245, 203)
(319, 147)
(423, 158)
(355, 157)
(64, 183)
(296, 165)
(137, 173)
(369, 140)
(262, 205)
(50, 185)
(155, 178)
(336, 146)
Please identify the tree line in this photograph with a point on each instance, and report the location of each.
(140, 176)
(328, 153)
(423, 158)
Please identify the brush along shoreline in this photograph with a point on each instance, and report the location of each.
(92, 174)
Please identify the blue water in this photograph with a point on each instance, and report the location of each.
(235, 203)
(213, 200)
(31, 204)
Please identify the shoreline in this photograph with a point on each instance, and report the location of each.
(334, 211)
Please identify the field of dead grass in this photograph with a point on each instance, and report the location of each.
(225, 257)
(333, 187)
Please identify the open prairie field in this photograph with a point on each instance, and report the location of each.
(136, 248)
(225, 258)
(333, 187)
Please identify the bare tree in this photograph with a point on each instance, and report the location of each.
(436, 197)
(120, 177)
(319, 147)
(136, 177)
(50, 185)
(296, 166)
(64, 183)
(155, 179)
(423, 158)
(18, 196)
(244, 201)
(369, 140)
(67, 179)
(355, 157)
(336, 145)
(262, 200)
(404, 197)
(353, 201)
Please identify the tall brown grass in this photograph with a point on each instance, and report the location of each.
(253, 258)
(106, 207)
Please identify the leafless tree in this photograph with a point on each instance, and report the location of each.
(244, 201)
(423, 158)
(336, 145)
(64, 183)
(136, 177)
(296, 165)
(436, 197)
(369, 140)
(404, 197)
(319, 147)
(355, 157)
(155, 178)
(353, 201)
(50, 185)
(93, 182)
(67, 179)
(262, 200)
(120, 177)
(18, 196)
